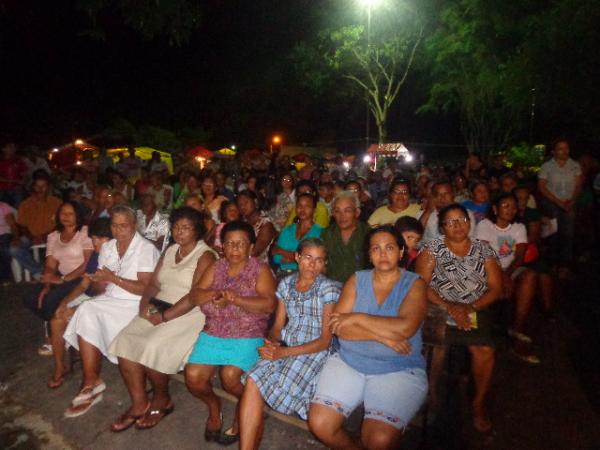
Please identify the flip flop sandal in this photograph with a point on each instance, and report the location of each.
(79, 410)
(126, 420)
(154, 414)
(213, 435)
(88, 392)
(55, 383)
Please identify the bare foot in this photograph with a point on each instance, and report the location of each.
(481, 419)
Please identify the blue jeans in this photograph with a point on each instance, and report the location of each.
(566, 230)
(22, 253)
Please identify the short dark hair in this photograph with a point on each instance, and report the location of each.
(397, 182)
(100, 228)
(249, 194)
(444, 212)
(40, 174)
(224, 205)
(308, 183)
(476, 183)
(496, 203)
(408, 223)
(194, 216)
(307, 195)
(238, 225)
(79, 216)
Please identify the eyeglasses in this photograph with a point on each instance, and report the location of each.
(236, 244)
(455, 222)
(310, 259)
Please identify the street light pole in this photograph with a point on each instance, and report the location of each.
(367, 112)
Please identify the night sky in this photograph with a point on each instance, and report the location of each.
(232, 78)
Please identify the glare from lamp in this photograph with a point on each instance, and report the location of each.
(55, 150)
(367, 159)
(346, 165)
(78, 142)
(408, 157)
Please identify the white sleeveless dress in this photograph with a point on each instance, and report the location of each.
(165, 347)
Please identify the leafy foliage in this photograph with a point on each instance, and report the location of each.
(375, 60)
(176, 19)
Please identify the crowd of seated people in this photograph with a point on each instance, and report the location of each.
(305, 290)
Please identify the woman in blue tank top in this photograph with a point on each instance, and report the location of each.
(379, 364)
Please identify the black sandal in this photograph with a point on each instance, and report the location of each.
(228, 438)
(213, 435)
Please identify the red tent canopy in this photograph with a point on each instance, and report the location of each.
(200, 151)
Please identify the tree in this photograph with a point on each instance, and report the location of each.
(374, 60)
(479, 71)
(176, 19)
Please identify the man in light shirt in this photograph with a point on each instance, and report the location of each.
(560, 181)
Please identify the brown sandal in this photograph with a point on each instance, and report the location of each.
(155, 416)
(126, 420)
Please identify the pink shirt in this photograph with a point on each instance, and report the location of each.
(68, 254)
(5, 210)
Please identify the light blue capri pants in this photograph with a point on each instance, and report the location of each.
(393, 398)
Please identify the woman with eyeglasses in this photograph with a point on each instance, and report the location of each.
(156, 342)
(464, 280)
(291, 359)
(237, 296)
(378, 364)
(398, 205)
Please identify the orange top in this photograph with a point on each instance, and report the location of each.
(38, 216)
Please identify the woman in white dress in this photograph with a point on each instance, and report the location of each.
(125, 267)
(157, 342)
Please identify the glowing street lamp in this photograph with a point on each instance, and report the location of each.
(78, 141)
(276, 140)
(232, 147)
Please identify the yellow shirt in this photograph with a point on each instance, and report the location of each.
(383, 215)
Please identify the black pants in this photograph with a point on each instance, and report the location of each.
(51, 300)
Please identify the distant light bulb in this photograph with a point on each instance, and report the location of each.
(367, 159)
(408, 157)
(346, 165)
(55, 150)
(78, 142)
(233, 147)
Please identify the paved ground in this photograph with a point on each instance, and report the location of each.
(553, 406)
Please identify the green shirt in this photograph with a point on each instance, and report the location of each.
(344, 258)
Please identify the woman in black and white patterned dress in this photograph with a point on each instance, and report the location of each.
(464, 280)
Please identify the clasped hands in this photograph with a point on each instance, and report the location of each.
(271, 351)
(460, 314)
(103, 275)
(220, 298)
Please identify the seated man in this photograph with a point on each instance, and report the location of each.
(152, 224)
(125, 266)
(344, 239)
(36, 219)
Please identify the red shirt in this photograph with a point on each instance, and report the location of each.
(11, 172)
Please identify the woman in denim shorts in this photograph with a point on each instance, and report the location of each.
(379, 363)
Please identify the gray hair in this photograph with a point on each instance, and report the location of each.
(346, 194)
(126, 210)
(311, 242)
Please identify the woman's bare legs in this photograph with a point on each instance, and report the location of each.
(328, 426)
(251, 416)
(482, 367)
(197, 380)
(231, 382)
(91, 362)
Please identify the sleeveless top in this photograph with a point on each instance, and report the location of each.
(371, 357)
(176, 278)
(233, 321)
